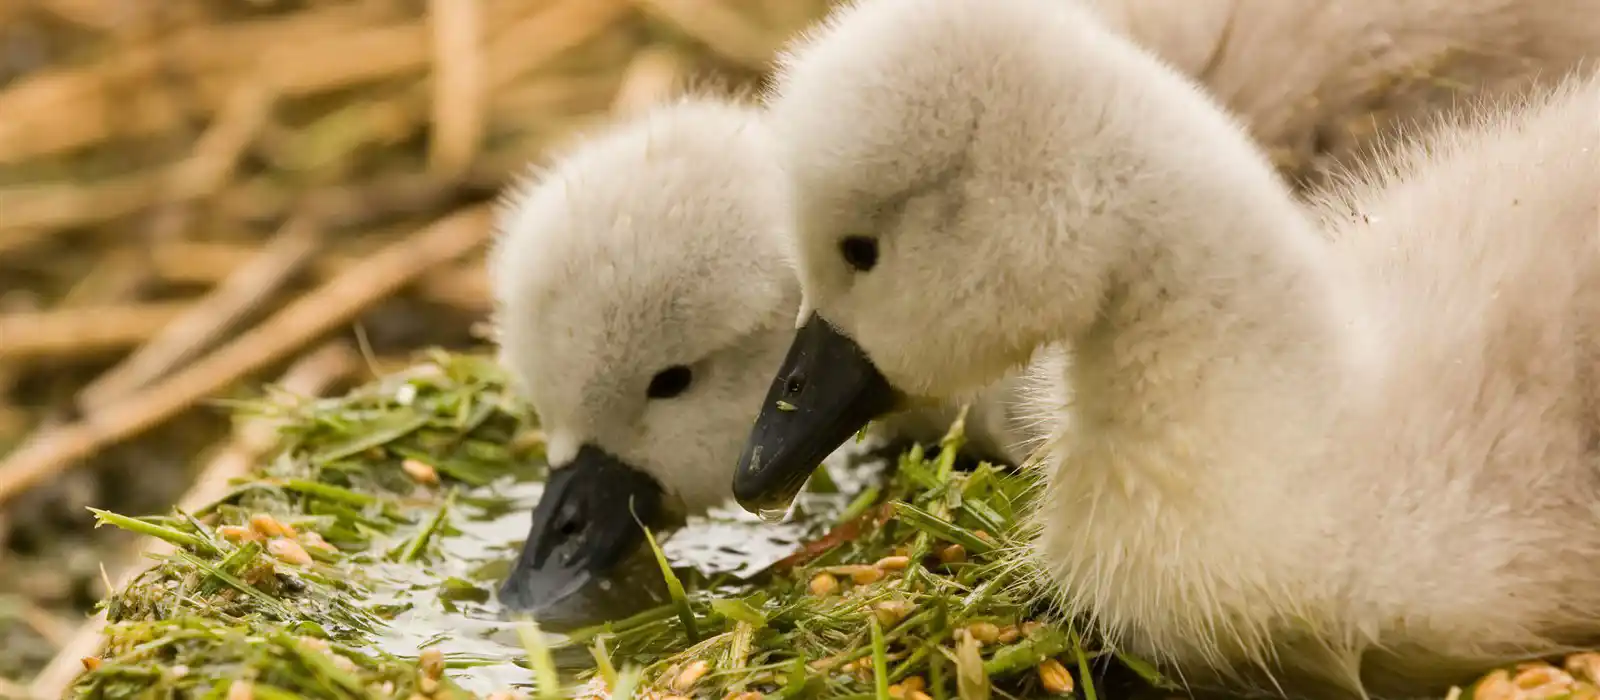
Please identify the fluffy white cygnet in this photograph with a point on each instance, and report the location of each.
(1350, 447)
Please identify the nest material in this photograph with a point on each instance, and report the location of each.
(198, 195)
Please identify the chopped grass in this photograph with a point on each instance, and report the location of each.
(325, 573)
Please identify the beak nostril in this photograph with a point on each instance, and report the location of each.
(794, 383)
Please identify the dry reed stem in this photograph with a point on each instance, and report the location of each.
(241, 292)
(57, 206)
(458, 94)
(18, 239)
(52, 629)
(216, 153)
(302, 321)
(726, 32)
(84, 330)
(537, 39)
(311, 375)
(462, 286)
(651, 77)
(302, 54)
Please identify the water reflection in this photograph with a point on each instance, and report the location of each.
(449, 604)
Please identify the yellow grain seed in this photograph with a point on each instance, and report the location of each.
(897, 691)
(953, 554)
(431, 662)
(1585, 665)
(1054, 677)
(917, 695)
(314, 643)
(288, 551)
(427, 685)
(420, 472)
(984, 632)
(269, 526)
(690, 675)
(234, 533)
(914, 683)
(984, 535)
(866, 574)
(894, 563)
(241, 690)
(1496, 686)
(746, 695)
(1008, 634)
(1542, 681)
(1031, 627)
(890, 612)
(311, 538)
(90, 663)
(824, 584)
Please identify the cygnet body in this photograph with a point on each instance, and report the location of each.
(644, 298)
(1347, 447)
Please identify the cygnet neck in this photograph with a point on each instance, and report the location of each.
(1220, 334)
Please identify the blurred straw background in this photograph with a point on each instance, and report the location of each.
(200, 196)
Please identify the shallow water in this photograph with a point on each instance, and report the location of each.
(448, 603)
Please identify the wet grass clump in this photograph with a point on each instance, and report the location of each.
(359, 562)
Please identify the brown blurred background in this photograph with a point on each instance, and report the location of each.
(201, 197)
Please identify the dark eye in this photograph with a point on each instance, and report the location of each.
(860, 251)
(670, 382)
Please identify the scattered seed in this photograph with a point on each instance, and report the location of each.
(234, 533)
(1055, 677)
(746, 695)
(269, 526)
(824, 584)
(985, 536)
(917, 695)
(953, 554)
(690, 675)
(897, 691)
(914, 683)
(91, 663)
(431, 662)
(311, 538)
(890, 612)
(420, 472)
(241, 690)
(1496, 686)
(179, 671)
(894, 563)
(427, 685)
(1585, 665)
(859, 573)
(288, 551)
(984, 632)
(1008, 634)
(1542, 681)
(1030, 627)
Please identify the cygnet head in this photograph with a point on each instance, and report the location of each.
(644, 297)
(968, 177)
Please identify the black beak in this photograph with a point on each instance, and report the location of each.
(582, 528)
(826, 391)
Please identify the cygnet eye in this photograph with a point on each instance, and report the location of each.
(861, 252)
(670, 382)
